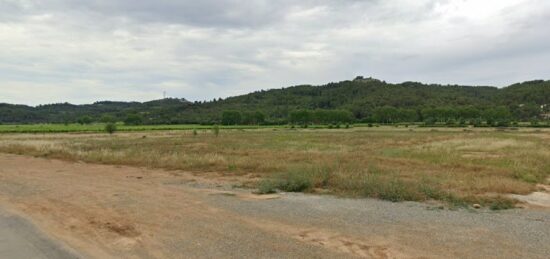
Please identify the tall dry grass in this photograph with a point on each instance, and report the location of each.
(393, 164)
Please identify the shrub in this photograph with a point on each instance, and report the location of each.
(393, 190)
(298, 179)
(503, 123)
(429, 121)
(500, 203)
(396, 190)
(195, 132)
(526, 177)
(216, 130)
(110, 128)
(267, 186)
(294, 182)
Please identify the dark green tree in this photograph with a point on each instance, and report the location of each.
(231, 118)
(133, 119)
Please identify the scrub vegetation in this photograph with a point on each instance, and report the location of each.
(453, 165)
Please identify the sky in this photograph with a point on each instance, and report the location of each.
(82, 51)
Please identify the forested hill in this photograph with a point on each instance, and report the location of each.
(361, 99)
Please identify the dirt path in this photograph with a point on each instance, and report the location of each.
(111, 212)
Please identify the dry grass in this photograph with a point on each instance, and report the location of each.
(389, 163)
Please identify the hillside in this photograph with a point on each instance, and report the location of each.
(365, 99)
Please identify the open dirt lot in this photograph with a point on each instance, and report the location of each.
(105, 211)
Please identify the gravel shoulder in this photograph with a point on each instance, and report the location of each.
(105, 211)
(20, 239)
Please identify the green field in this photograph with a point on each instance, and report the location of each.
(62, 128)
(100, 127)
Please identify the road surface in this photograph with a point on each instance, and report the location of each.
(105, 211)
(20, 239)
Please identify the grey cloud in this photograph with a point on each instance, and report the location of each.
(134, 50)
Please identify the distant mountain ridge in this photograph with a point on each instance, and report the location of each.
(362, 97)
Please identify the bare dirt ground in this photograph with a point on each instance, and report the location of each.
(106, 211)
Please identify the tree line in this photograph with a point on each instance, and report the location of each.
(359, 100)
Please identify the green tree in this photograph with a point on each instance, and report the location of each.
(133, 119)
(303, 117)
(231, 118)
(110, 127)
(386, 114)
(85, 120)
(253, 118)
(106, 118)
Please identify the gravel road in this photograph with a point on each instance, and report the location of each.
(105, 211)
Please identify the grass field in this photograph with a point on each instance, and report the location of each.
(457, 166)
(99, 127)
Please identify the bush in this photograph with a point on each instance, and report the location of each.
(526, 177)
(195, 132)
(216, 130)
(503, 123)
(110, 128)
(294, 182)
(267, 186)
(393, 190)
(501, 204)
(476, 123)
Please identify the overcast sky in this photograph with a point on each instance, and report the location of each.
(81, 51)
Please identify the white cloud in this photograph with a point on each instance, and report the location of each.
(83, 51)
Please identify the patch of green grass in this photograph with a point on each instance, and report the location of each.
(267, 186)
(393, 189)
(294, 181)
(298, 179)
(526, 177)
(501, 203)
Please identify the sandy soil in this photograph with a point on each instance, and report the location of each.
(106, 211)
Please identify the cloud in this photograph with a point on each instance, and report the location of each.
(83, 51)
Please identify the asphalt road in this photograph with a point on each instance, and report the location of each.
(20, 239)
